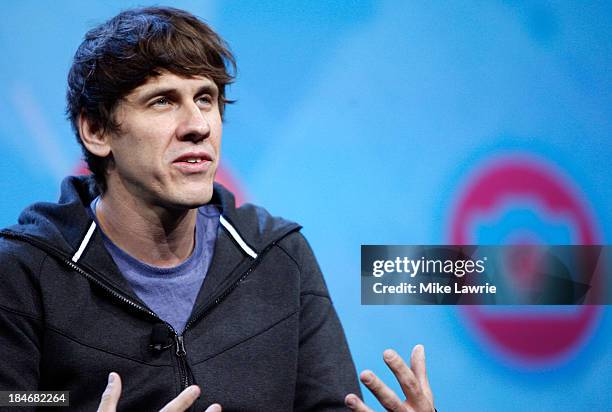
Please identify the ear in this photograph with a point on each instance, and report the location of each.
(92, 136)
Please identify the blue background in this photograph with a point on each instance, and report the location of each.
(364, 121)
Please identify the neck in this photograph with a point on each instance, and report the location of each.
(154, 235)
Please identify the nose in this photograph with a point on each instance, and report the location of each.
(193, 125)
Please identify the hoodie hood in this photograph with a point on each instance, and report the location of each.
(64, 224)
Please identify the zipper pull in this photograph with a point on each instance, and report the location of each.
(180, 346)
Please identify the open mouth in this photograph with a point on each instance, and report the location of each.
(193, 162)
(193, 158)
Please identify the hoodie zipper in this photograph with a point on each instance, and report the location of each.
(181, 353)
(178, 339)
(111, 291)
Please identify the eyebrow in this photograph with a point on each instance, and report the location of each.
(171, 91)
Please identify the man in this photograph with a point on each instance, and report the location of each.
(147, 270)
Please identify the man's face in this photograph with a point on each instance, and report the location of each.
(168, 145)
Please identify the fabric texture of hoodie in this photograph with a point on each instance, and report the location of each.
(263, 334)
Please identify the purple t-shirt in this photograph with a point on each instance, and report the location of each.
(171, 292)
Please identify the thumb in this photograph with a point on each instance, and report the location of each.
(215, 407)
(110, 396)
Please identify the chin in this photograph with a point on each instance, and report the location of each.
(195, 198)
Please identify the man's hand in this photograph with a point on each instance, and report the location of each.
(412, 380)
(181, 403)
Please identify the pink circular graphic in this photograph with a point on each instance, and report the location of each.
(535, 338)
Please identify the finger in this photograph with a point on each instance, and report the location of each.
(405, 376)
(183, 401)
(215, 407)
(385, 396)
(111, 394)
(417, 362)
(353, 402)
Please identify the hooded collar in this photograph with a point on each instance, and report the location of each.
(67, 229)
(68, 226)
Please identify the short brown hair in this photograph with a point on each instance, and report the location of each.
(122, 53)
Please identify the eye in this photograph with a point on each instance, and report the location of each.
(162, 101)
(205, 100)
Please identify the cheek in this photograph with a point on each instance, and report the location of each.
(216, 133)
(138, 154)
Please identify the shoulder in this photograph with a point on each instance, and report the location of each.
(297, 247)
(253, 223)
(260, 223)
(19, 254)
(260, 229)
(20, 276)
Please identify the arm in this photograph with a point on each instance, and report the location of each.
(325, 368)
(326, 372)
(21, 326)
